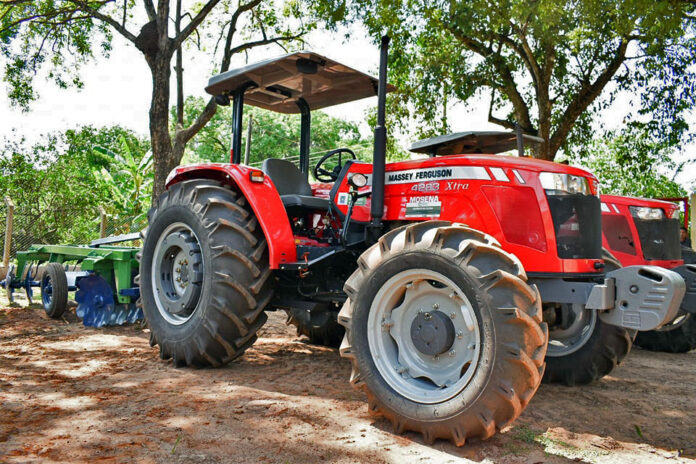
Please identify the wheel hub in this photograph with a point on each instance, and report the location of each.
(573, 330)
(428, 343)
(432, 332)
(177, 273)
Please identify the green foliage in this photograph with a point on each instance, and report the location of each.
(52, 183)
(631, 163)
(553, 66)
(274, 135)
(128, 180)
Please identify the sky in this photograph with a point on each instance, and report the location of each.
(117, 91)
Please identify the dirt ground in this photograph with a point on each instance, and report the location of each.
(74, 394)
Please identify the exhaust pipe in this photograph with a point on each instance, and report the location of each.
(380, 148)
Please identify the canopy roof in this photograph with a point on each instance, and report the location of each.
(490, 142)
(280, 82)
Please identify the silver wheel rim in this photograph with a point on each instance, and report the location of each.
(563, 342)
(675, 323)
(175, 257)
(417, 376)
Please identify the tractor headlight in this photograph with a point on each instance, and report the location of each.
(558, 184)
(646, 214)
(357, 180)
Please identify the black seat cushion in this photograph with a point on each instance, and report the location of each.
(304, 201)
(287, 178)
(292, 185)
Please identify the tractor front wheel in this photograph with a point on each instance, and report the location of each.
(204, 274)
(585, 349)
(443, 332)
(679, 336)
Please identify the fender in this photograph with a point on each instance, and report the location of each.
(263, 198)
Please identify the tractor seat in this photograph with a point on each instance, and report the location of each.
(292, 186)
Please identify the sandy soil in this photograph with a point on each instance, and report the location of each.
(74, 394)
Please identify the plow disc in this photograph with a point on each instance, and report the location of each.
(96, 305)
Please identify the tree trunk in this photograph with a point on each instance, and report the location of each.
(163, 155)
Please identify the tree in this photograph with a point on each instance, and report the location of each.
(53, 187)
(68, 32)
(274, 135)
(555, 65)
(631, 163)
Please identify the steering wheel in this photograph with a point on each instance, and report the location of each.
(322, 174)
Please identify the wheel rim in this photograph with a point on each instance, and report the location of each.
(410, 343)
(563, 342)
(675, 323)
(177, 273)
(46, 291)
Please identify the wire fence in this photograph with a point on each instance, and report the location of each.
(69, 226)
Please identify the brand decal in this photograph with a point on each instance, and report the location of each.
(456, 186)
(423, 206)
(425, 187)
(434, 174)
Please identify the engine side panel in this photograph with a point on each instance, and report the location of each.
(499, 195)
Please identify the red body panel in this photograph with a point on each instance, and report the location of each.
(263, 198)
(474, 196)
(613, 207)
(500, 195)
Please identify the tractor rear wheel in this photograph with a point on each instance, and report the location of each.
(444, 335)
(321, 328)
(204, 274)
(54, 290)
(588, 349)
(679, 336)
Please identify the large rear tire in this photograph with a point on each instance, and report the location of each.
(679, 336)
(204, 274)
(485, 363)
(589, 349)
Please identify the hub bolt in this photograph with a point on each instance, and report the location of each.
(436, 306)
(427, 316)
(452, 354)
(453, 315)
(460, 334)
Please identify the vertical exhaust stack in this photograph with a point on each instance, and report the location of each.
(380, 148)
(520, 140)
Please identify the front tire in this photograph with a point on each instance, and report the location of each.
(679, 336)
(444, 335)
(204, 274)
(589, 349)
(321, 328)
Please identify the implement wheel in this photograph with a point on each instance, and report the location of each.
(204, 274)
(443, 333)
(54, 290)
(586, 349)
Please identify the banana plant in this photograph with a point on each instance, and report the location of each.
(129, 179)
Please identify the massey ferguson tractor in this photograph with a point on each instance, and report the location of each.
(640, 231)
(437, 267)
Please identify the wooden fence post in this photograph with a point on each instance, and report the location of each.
(8, 232)
(102, 226)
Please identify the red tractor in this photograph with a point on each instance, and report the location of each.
(640, 231)
(437, 268)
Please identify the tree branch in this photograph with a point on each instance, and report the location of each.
(585, 96)
(195, 22)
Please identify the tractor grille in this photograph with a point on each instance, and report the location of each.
(577, 222)
(659, 238)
